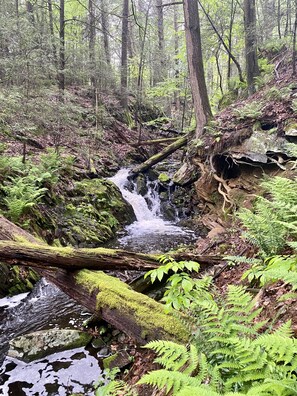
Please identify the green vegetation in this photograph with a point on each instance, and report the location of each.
(250, 110)
(273, 220)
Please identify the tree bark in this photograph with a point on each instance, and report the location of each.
(252, 68)
(124, 55)
(294, 42)
(44, 257)
(92, 37)
(104, 24)
(159, 73)
(196, 68)
(61, 72)
(155, 159)
(51, 28)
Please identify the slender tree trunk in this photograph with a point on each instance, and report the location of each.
(124, 55)
(196, 68)
(30, 12)
(17, 11)
(159, 75)
(61, 72)
(230, 34)
(294, 41)
(105, 27)
(252, 68)
(140, 73)
(52, 33)
(288, 18)
(92, 38)
(176, 62)
(279, 19)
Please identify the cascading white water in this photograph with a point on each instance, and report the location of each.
(149, 222)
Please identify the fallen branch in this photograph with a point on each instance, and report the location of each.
(45, 257)
(153, 142)
(161, 155)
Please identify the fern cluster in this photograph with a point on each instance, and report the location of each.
(24, 185)
(274, 219)
(273, 269)
(250, 110)
(226, 355)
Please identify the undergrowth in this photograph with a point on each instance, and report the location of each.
(23, 185)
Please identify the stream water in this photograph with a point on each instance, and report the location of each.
(150, 232)
(47, 307)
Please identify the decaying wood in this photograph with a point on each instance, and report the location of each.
(44, 257)
(153, 142)
(161, 155)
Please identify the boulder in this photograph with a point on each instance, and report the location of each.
(39, 344)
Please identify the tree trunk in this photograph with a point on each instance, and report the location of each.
(30, 12)
(61, 72)
(52, 33)
(159, 72)
(196, 68)
(252, 68)
(92, 37)
(155, 159)
(124, 55)
(294, 42)
(104, 24)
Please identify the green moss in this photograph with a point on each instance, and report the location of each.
(107, 361)
(163, 178)
(148, 314)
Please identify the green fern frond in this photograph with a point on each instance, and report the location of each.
(174, 356)
(113, 388)
(168, 380)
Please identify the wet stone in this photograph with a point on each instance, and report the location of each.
(36, 345)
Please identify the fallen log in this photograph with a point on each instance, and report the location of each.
(44, 256)
(153, 142)
(133, 313)
(179, 143)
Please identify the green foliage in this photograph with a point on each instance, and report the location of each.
(278, 94)
(274, 218)
(273, 269)
(24, 185)
(170, 265)
(226, 354)
(109, 385)
(181, 289)
(250, 110)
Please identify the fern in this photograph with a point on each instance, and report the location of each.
(250, 110)
(274, 218)
(226, 354)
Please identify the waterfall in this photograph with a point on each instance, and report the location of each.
(149, 224)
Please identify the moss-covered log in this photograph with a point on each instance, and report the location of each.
(43, 256)
(161, 155)
(135, 314)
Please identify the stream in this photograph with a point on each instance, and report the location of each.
(46, 307)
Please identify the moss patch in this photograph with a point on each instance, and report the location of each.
(149, 315)
(91, 214)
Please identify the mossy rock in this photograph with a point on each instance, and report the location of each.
(164, 178)
(15, 280)
(91, 214)
(37, 345)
